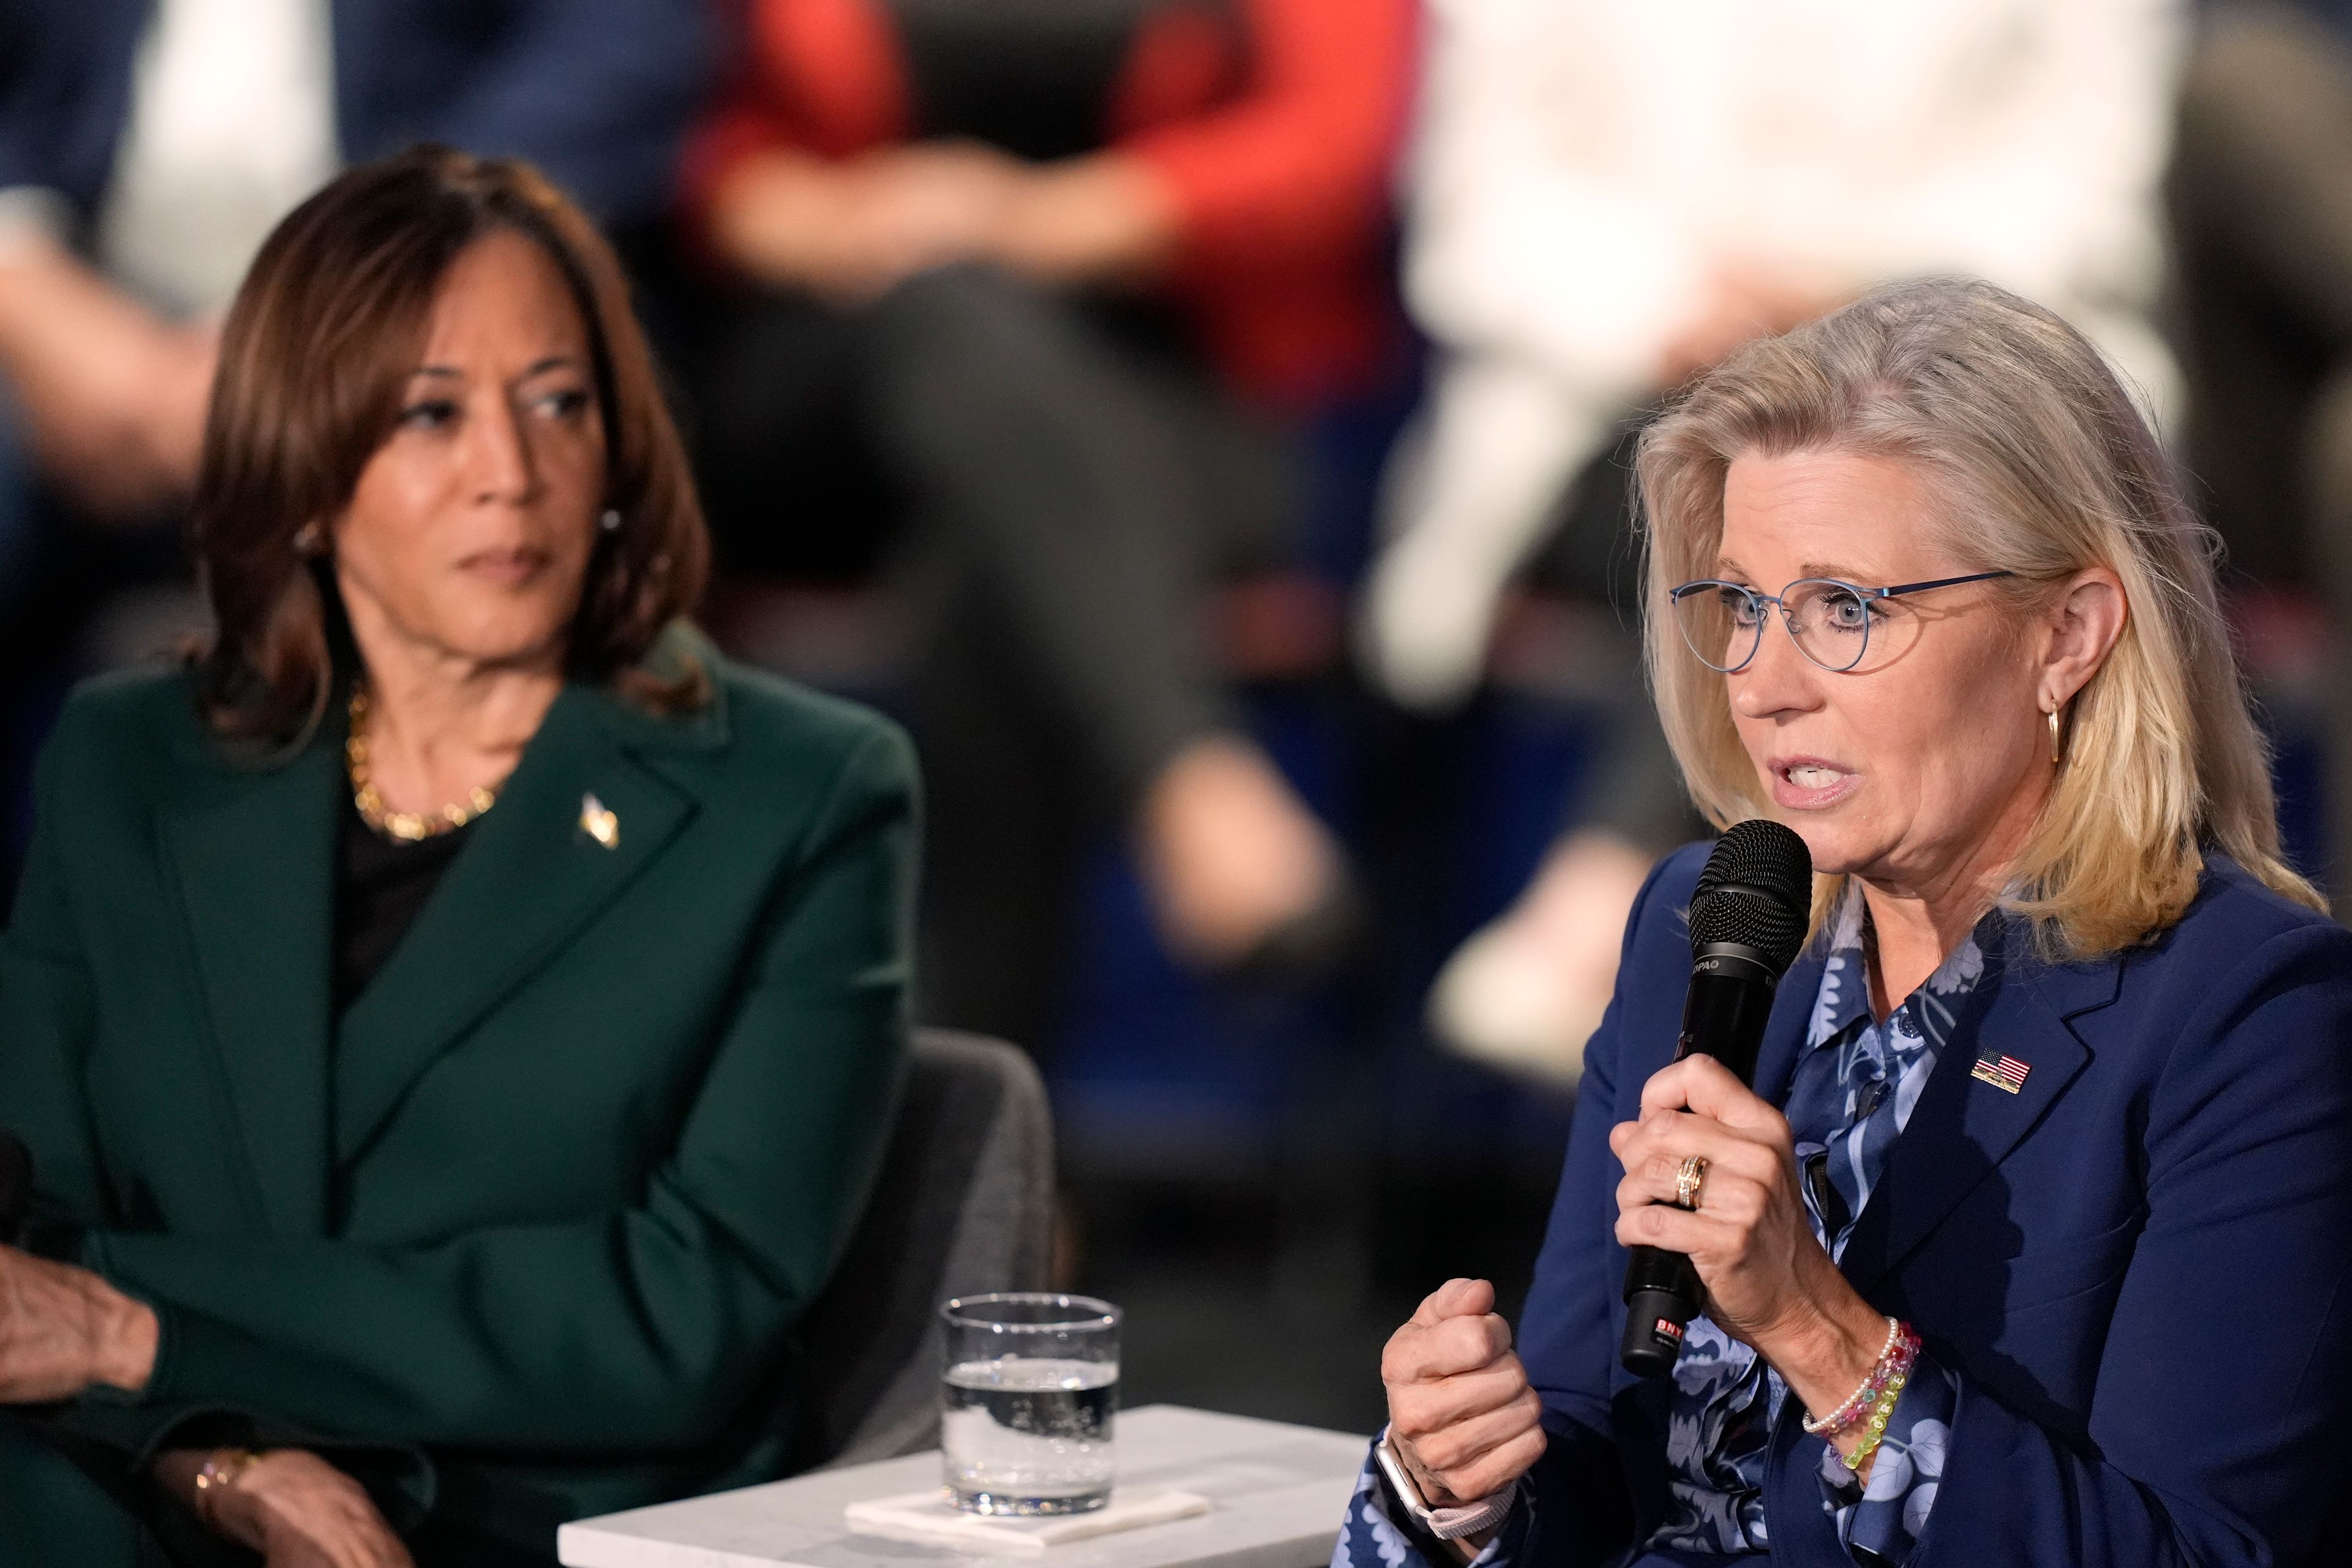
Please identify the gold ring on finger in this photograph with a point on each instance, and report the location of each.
(1688, 1180)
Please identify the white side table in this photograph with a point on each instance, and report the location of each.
(1279, 1493)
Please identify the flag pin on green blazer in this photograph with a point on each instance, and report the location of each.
(598, 823)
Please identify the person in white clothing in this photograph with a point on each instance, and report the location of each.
(147, 146)
(1605, 199)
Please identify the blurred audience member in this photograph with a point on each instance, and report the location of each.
(2261, 194)
(455, 1019)
(1606, 201)
(1030, 276)
(146, 146)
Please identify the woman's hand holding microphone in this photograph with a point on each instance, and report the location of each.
(1768, 1282)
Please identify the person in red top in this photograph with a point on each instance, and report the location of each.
(1044, 277)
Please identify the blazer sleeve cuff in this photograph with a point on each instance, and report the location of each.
(1882, 1522)
(400, 1479)
(169, 1412)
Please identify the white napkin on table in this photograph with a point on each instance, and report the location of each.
(933, 1517)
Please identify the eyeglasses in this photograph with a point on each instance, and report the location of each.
(1828, 620)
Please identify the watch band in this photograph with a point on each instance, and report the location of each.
(1445, 1524)
(219, 1473)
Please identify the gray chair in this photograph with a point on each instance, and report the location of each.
(962, 1205)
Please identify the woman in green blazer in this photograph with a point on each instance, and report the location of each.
(455, 1020)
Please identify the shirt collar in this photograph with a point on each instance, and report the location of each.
(1844, 999)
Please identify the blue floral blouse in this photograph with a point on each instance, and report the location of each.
(1853, 1091)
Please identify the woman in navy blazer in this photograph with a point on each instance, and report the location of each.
(2030, 1243)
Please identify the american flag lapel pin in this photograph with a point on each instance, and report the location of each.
(2004, 1073)
(599, 823)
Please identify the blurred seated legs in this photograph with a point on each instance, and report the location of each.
(1065, 482)
(1046, 463)
(1525, 992)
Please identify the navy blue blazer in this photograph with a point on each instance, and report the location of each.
(597, 92)
(2136, 1265)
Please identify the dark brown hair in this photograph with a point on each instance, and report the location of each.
(314, 358)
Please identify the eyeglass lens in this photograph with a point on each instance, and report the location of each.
(1724, 623)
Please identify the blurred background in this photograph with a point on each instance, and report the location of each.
(1205, 424)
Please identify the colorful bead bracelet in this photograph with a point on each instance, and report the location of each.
(1879, 1416)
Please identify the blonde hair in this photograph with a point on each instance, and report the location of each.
(2049, 467)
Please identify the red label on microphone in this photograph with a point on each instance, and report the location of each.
(1673, 1331)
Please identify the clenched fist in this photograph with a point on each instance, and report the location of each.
(1462, 1415)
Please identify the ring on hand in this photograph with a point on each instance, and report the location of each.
(1688, 1180)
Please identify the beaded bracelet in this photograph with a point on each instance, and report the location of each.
(1878, 1419)
(1896, 1356)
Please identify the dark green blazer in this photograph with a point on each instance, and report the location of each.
(522, 1236)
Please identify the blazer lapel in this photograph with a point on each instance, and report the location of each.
(1965, 1126)
(255, 867)
(535, 873)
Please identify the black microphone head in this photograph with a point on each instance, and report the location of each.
(1757, 891)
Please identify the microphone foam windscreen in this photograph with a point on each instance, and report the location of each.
(1757, 891)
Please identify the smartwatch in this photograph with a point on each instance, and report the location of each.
(1445, 1524)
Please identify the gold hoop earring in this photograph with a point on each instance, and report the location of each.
(2054, 742)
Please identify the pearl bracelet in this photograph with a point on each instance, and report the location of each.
(1895, 1359)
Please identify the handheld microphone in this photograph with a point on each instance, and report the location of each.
(1748, 918)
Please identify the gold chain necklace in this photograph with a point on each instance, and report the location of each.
(408, 826)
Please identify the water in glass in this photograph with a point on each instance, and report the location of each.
(1029, 1437)
(1027, 1402)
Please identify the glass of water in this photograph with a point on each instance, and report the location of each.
(1026, 1405)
